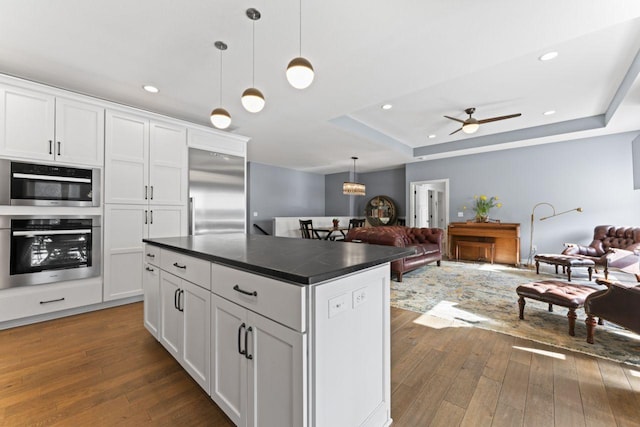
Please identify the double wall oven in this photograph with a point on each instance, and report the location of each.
(42, 247)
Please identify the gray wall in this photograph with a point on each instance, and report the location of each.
(593, 173)
(274, 191)
(389, 183)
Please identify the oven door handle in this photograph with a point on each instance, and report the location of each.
(50, 232)
(50, 177)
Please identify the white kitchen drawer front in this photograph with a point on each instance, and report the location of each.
(194, 270)
(278, 301)
(152, 254)
(28, 301)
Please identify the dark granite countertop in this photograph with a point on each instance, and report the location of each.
(298, 261)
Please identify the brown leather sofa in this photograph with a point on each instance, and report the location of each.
(612, 247)
(618, 303)
(427, 243)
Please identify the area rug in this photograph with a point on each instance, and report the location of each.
(484, 296)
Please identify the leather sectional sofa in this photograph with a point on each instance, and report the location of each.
(427, 243)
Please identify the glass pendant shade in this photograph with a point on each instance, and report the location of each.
(220, 118)
(300, 73)
(353, 189)
(252, 100)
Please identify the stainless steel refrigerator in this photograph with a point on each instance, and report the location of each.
(216, 193)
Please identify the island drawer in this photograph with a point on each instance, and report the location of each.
(152, 254)
(279, 301)
(192, 269)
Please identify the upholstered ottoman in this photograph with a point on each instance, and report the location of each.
(566, 261)
(555, 292)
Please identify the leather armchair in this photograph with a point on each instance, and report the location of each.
(619, 303)
(612, 247)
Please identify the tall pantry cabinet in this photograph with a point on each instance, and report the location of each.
(146, 185)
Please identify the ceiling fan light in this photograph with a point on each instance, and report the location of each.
(300, 73)
(253, 100)
(220, 118)
(470, 128)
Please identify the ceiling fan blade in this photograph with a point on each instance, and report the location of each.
(453, 118)
(495, 119)
(455, 131)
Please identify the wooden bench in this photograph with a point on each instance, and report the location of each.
(476, 244)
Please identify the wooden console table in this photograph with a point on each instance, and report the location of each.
(505, 237)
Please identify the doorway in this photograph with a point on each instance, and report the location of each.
(429, 205)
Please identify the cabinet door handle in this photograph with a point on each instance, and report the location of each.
(58, 148)
(151, 255)
(50, 147)
(149, 268)
(181, 300)
(242, 291)
(240, 350)
(175, 299)
(52, 300)
(151, 193)
(146, 216)
(246, 339)
(175, 264)
(151, 216)
(145, 191)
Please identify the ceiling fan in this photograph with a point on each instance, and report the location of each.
(471, 125)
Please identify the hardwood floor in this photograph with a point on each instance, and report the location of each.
(103, 368)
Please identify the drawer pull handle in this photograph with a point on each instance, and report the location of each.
(149, 268)
(151, 255)
(242, 291)
(53, 300)
(240, 350)
(246, 349)
(175, 264)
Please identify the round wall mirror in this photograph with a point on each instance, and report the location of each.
(381, 210)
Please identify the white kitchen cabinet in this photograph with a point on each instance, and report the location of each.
(151, 287)
(185, 310)
(145, 161)
(38, 126)
(257, 367)
(124, 228)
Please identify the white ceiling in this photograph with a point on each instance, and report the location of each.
(428, 58)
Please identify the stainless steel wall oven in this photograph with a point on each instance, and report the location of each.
(46, 249)
(48, 185)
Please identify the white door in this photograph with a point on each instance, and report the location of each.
(26, 124)
(196, 305)
(228, 364)
(124, 229)
(167, 221)
(276, 374)
(79, 133)
(421, 206)
(151, 285)
(168, 164)
(126, 167)
(171, 318)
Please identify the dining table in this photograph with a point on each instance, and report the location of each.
(329, 232)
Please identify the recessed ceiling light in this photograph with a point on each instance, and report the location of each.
(431, 136)
(549, 113)
(548, 56)
(151, 89)
(387, 107)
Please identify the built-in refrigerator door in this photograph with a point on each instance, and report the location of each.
(216, 193)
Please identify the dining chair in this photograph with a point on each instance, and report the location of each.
(307, 231)
(356, 222)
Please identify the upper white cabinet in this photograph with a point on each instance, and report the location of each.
(38, 126)
(146, 161)
(221, 142)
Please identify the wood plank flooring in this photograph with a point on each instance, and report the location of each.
(103, 369)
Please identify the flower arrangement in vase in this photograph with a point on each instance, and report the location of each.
(482, 205)
(336, 222)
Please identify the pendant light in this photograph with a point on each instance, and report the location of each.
(220, 118)
(252, 99)
(353, 188)
(300, 71)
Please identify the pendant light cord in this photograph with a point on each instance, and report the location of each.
(300, 26)
(253, 54)
(221, 77)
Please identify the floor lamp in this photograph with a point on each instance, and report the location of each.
(531, 254)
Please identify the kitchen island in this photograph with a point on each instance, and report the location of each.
(278, 331)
